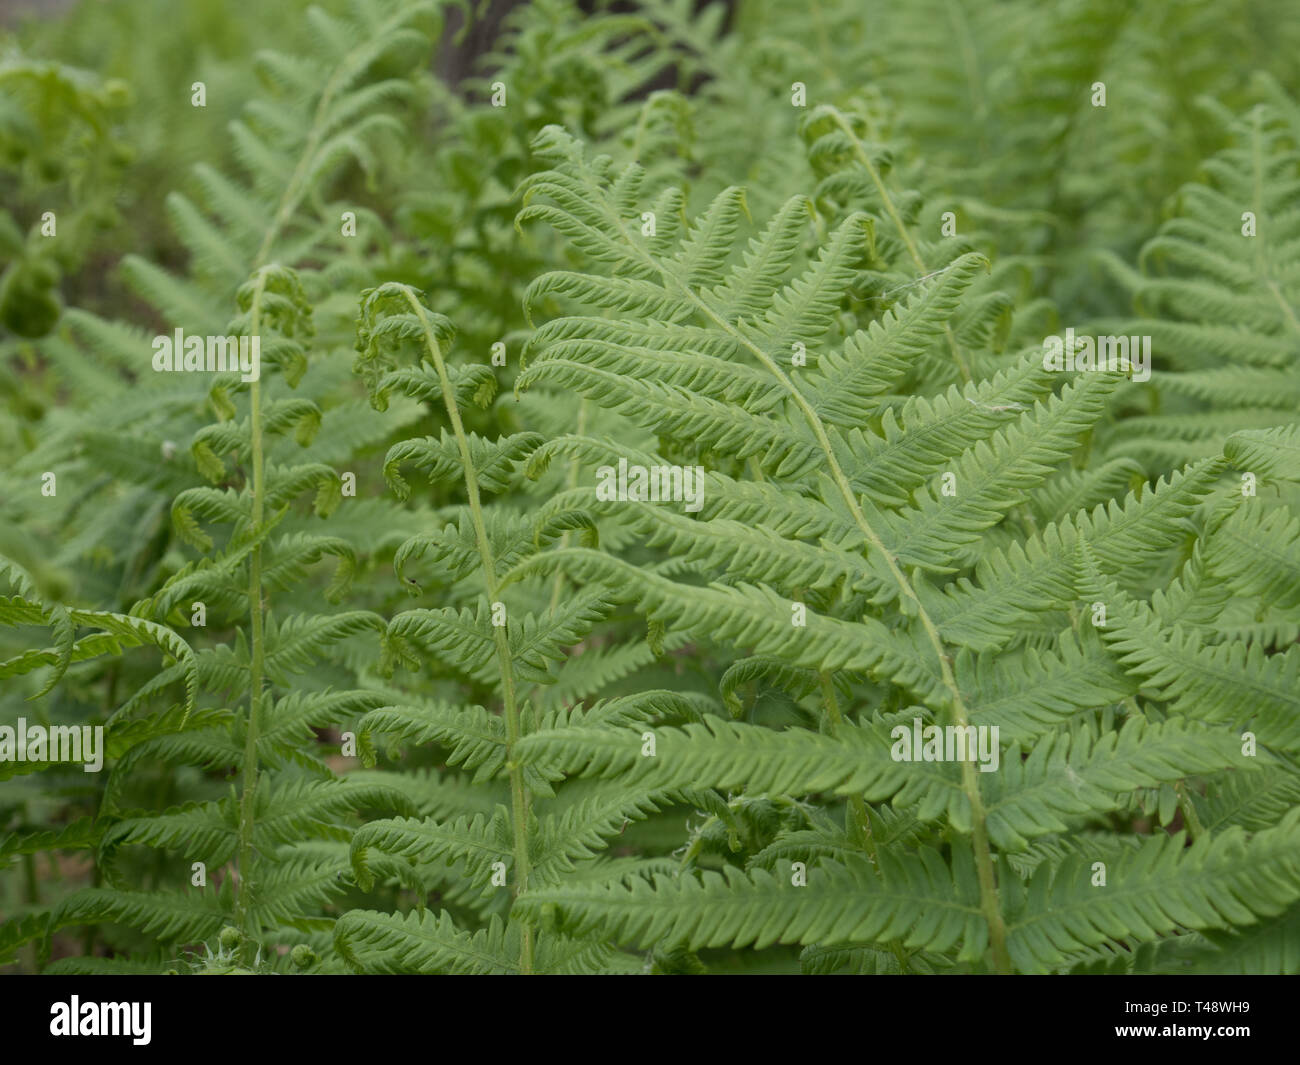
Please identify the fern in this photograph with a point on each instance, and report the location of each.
(654, 542)
(883, 624)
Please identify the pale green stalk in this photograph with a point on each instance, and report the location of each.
(519, 798)
(960, 715)
(257, 647)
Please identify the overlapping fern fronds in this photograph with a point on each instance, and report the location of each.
(925, 584)
(393, 682)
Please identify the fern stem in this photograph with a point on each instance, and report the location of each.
(888, 201)
(518, 793)
(903, 231)
(961, 718)
(247, 800)
(289, 202)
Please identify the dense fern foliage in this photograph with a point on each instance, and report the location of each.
(693, 511)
